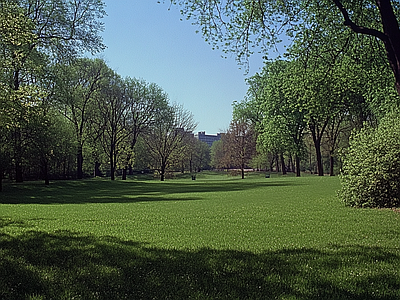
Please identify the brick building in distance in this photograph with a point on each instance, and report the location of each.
(207, 138)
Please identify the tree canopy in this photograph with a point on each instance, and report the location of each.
(244, 26)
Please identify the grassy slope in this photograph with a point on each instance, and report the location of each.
(216, 237)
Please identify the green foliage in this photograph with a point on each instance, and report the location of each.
(167, 137)
(371, 169)
(217, 155)
(244, 26)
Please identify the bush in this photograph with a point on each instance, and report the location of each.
(371, 167)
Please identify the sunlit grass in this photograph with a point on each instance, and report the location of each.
(215, 237)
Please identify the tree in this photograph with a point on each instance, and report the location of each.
(16, 33)
(145, 102)
(114, 117)
(387, 30)
(238, 26)
(5, 155)
(47, 144)
(78, 85)
(218, 155)
(141, 159)
(239, 144)
(281, 122)
(34, 32)
(56, 27)
(194, 155)
(168, 136)
(201, 156)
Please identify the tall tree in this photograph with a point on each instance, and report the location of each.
(145, 101)
(239, 144)
(78, 86)
(282, 119)
(114, 118)
(35, 29)
(168, 136)
(5, 156)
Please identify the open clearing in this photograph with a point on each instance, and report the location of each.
(217, 237)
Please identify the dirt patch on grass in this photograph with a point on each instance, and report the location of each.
(397, 210)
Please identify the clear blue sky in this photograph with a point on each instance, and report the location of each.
(146, 40)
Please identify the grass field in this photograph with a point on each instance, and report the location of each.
(218, 237)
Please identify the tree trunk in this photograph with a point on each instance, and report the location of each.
(97, 169)
(65, 168)
(317, 136)
(392, 41)
(124, 171)
(320, 166)
(46, 172)
(19, 177)
(283, 165)
(79, 163)
(331, 163)
(112, 163)
(162, 173)
(242, 169)
(1, 177)
(277, 164)
(17, 138)
(127, 165)
(297, 166)
(291, 167)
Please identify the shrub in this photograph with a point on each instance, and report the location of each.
(371, 168)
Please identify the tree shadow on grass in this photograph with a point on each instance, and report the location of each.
(67, 265)
(106, 191)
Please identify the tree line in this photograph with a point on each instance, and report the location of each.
(337, 83)
(63, 115)
(337, 86)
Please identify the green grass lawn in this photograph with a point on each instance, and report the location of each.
(218, 237)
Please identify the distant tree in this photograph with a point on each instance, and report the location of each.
(181, 160)
(48, 142)
(145, 102)
(201, 157)
(195, 156)
(262, 160)
(239, 144)
(141, 159)
(167, 137)
(5, 149)
(218, 155)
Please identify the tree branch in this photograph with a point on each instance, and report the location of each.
(356, 28)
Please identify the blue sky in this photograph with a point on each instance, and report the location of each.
(147, 40)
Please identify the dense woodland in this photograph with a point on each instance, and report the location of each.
(66, 116)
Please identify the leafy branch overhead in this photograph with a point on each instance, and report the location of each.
(246, 26)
